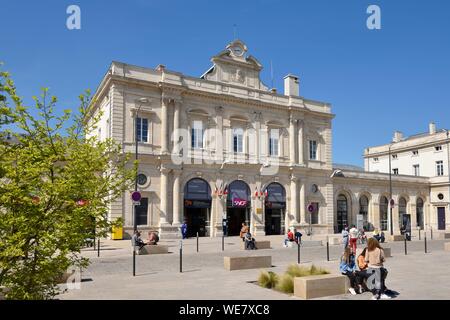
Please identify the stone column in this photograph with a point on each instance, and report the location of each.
(292, 141)
(301, 137)
(164, 196)
(257, 137)
(303, 203)
(176, 122)
(177, 214)
(164, 125)
(294, 203)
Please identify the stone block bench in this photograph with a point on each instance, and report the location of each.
(259, 245)
(152, 249)
(447, 246)
(396, 237)
(333, 241)
(444, 236)
(320, 286)
(387, 252)
(249, 262)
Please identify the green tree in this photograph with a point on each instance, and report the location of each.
(56, 183)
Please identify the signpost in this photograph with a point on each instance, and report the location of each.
(136, 197)
(310, 210)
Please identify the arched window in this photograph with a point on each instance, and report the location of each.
(342, 212)
(419, 212)
(364, 210)
(383, 213)
(197, 189)
(238, 194)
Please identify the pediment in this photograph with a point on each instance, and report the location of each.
(234, 66)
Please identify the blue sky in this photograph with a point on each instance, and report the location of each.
(376, 80)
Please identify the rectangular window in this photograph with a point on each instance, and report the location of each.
(375, 159)
(273, 142)
(416, 170)
(238, 140)
(142, 129)
(438, 148)
(415, 153)
(313, 150)
(197, 135)
(440, 168)
(395, 171)
(394, 156)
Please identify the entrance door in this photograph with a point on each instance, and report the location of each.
(141, 212)
(441, 218)
(196, 221)
(273, 221)
(235, 217)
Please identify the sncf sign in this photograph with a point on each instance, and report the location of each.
(239, 203)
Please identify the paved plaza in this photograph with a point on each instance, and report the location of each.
(415, 276)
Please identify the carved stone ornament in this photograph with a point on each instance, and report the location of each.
(238, 76)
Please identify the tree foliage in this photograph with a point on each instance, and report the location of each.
(57, 180)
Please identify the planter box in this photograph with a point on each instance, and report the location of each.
(240, 263)
(259, 245)
(320, 286)
(153, 249)
(447, 246)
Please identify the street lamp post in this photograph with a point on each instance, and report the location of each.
(390, 193)
(141, 101)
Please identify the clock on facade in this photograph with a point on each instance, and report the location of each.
(141, 179)
(237, 50)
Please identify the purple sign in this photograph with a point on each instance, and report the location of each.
(136, 196)
(239, 202)
(310, 208)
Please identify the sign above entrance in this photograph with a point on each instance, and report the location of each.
(259, 210)
(239, 203)
(311, 208)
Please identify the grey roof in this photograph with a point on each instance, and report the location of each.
(351, 167)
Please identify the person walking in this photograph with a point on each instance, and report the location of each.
(375, 258)
(345, 237)
(353, 233)
(184, 230)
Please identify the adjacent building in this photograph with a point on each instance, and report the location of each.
(224, 147)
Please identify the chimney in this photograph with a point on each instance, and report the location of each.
(432, 128)
(398, 136)
(291, 85)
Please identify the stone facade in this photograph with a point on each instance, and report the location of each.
(223, 127)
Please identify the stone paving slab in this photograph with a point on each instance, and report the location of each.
(415, 276)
